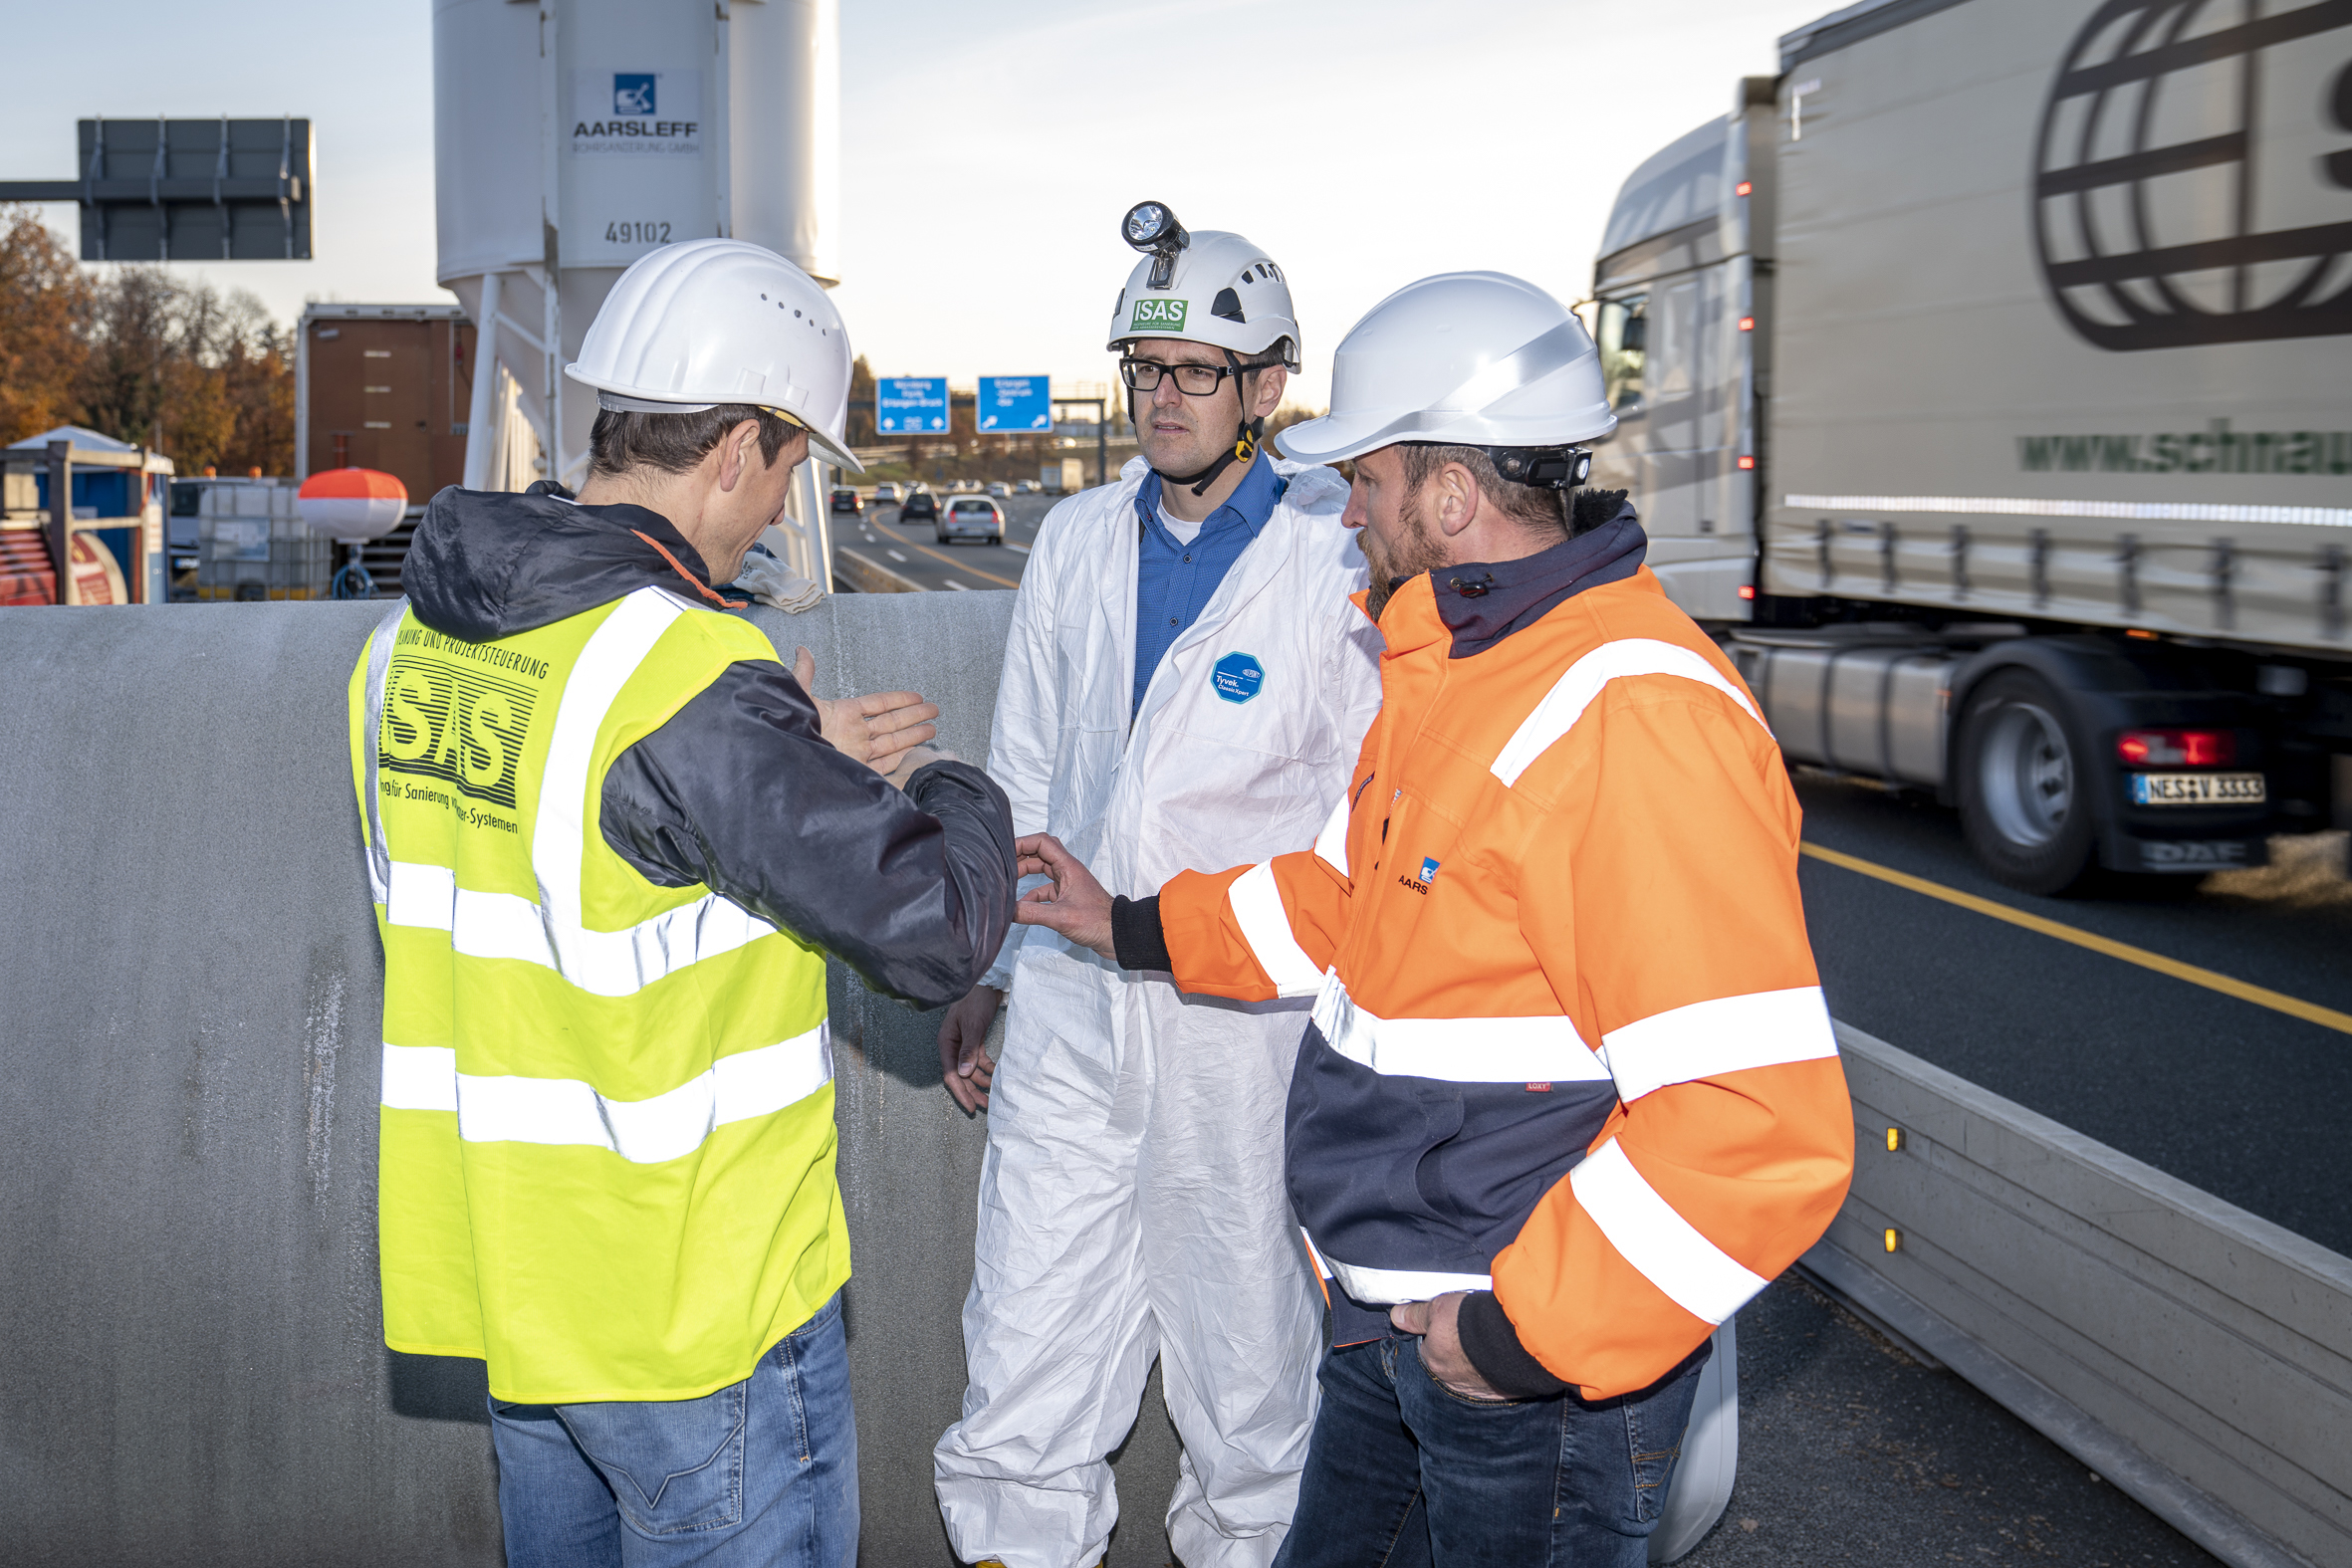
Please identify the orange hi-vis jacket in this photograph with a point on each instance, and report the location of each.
(1569, 1044)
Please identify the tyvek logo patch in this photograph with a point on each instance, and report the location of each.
(1238, 676)
(1428, 870)
(1159, 314)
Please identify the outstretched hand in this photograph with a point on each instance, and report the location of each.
(1074, 904)
(874, 729)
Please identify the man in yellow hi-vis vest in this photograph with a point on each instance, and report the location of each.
(612, 838)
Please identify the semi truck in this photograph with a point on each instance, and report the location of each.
(1984, 382)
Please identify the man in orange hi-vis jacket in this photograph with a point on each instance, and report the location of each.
(1571, 1096)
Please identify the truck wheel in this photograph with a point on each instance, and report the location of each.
(2025, 786)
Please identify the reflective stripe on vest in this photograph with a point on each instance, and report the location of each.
(550, 932)
(509, 1109)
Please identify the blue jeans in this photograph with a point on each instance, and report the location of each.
(1402, 1473)
(764, 1472)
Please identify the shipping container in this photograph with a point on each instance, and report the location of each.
(389, 387)
(384, 386)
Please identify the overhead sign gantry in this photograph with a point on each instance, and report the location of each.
(160, 190)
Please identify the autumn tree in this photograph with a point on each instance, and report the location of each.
(861, 420)
(205, 377)
(44, 300)
(1287, 415)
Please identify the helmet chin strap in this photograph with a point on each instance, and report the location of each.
(1245, 441)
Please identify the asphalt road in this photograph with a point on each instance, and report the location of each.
(2238, 1098)
(913, 550)
(1852, 1453)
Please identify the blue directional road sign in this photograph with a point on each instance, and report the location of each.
(910, 404)
(1015, 403)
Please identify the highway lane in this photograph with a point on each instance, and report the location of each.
(2242, 1100)
(913, 550)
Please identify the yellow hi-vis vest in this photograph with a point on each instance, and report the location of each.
(606, 1160)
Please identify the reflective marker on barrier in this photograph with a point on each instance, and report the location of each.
(1894, 1239)
(1894, 1140)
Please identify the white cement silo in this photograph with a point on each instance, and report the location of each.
(785, 122)
(571, 136)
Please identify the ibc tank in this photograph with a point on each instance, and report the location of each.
(572, 137)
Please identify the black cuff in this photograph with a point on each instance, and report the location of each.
(1494, 1348)
(1135, 934)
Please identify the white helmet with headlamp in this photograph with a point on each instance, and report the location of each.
(1465, 358)
(708, 321)
(1209, 288)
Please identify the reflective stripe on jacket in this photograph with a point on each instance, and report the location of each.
(1569, 1040)
(606, 1162)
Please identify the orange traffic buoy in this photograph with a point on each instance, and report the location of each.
(352, 503)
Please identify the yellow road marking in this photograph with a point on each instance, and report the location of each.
(960, 564)
(2259, 996)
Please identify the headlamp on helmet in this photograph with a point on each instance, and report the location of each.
(1151, 227)
(1545, 467)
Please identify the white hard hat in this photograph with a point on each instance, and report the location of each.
(1464, 359)
(1222, 292)
(709, 321)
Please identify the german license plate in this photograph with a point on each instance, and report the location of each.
(2198, 790)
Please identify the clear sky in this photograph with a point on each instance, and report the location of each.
(989, 148)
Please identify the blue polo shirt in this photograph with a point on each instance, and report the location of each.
(1174, 582)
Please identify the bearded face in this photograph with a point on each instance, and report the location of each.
(1398, 549)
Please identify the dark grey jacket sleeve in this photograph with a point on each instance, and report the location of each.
(738, 790)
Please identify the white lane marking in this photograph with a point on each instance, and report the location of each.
(894, 556)
(1024, 548)
(953, 583)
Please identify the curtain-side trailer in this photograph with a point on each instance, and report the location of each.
(1985, 380)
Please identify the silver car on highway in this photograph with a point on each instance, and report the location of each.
(972, 517)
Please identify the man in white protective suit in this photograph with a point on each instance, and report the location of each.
(1185, 684)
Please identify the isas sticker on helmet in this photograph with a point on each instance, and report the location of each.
(1164, 316)
(1237, 677)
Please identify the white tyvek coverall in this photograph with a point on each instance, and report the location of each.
(1131, 1202)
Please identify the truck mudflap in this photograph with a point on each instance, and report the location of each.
(2123, 851)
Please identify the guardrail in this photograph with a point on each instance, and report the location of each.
(2189, 1352)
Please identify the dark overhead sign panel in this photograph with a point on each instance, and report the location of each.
(188, 189)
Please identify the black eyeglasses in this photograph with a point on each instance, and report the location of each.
(1193, 380)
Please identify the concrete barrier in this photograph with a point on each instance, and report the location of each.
(189, 982)
(2194, 1354)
